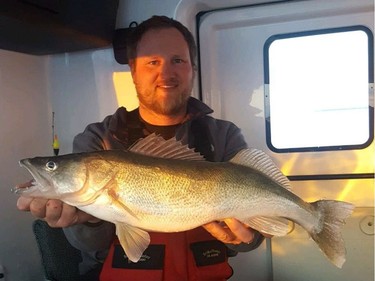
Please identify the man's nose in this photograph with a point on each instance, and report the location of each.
(166, 70)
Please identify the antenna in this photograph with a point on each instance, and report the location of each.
(53, 126)
(55, 141)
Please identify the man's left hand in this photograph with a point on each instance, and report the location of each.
(230, 231)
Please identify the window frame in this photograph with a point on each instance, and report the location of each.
(268, 124)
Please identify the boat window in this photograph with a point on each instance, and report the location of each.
(319, 90)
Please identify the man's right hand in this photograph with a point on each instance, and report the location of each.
(55, 212)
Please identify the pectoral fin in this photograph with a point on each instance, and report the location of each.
(133, 240)
(274, 226)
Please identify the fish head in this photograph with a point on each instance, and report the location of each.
(75, 178)
(54, 176)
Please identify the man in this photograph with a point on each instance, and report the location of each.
(161, 55)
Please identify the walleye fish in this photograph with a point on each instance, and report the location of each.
(163, 186)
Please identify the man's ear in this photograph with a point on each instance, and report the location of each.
(131, 63)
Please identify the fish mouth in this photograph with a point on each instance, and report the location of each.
(27, 187)
(36, 185)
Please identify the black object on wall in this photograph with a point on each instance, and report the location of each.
(119, 42)
(42, 27)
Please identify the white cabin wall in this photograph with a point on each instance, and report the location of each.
(81, 91)
(25, 132)
(133, 10)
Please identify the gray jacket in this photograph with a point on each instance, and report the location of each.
(217, 140)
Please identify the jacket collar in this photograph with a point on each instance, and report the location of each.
(122, 119)
(197, 109)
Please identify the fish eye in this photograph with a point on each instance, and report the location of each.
(51, 166)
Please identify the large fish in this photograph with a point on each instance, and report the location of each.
(163, 186)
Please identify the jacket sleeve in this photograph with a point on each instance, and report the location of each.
(91, 139)
(93, 240)
(234, 142)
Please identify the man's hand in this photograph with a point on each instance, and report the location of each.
(55, 212)
(230, 231)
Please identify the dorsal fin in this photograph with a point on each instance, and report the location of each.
(260, 161)
(156, 146)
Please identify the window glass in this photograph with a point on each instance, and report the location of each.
(318, 86)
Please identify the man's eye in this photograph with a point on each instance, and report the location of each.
(153, 62)
(178, 60)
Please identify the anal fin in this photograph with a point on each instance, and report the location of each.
(275, 226)
(133, 240)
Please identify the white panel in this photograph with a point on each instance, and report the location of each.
(83, 90)
(231, 55)
(231, 46)
(139, 10)
(297, 258)
(25, 122)
(253, 265)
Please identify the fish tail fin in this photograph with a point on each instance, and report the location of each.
(329, 238)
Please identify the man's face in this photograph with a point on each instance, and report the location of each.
(162, 71)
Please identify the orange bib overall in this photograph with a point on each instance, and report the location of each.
(192, 255)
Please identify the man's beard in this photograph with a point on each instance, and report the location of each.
(173, 105)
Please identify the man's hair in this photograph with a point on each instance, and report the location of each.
(160, 22)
